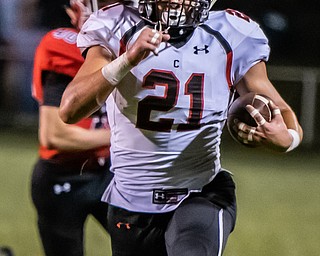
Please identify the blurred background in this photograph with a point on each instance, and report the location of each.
(292, 27)
(278, 199)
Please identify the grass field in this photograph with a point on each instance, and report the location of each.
(278, 201)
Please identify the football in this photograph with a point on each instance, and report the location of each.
(237, 110)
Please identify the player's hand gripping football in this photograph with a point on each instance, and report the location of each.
(273, 134)
(148, 41)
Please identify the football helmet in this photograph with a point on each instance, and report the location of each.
(175, 13)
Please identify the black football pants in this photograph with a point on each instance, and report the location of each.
(63, 202)
(200, 226)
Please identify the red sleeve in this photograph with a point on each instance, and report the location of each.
(56, 52)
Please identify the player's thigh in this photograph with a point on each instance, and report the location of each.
(60, 239)
(57, 197)
(61, 213)
(199, 227)
(100, 212)
(137, 234)
(98, 208)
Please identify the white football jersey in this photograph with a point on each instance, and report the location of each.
(167, 114)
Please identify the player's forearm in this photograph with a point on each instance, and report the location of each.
(74, 138)
(291, 121)
(89, 89)
(83, 96)
(55, 134)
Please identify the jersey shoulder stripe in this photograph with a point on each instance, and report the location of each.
(247, 41)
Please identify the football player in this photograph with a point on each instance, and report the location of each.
(167, 73)
(73, 166)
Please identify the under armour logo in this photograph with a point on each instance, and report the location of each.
(197, 50)
(159, 195)
(58, 189)
(168, 196)
(122, 224)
